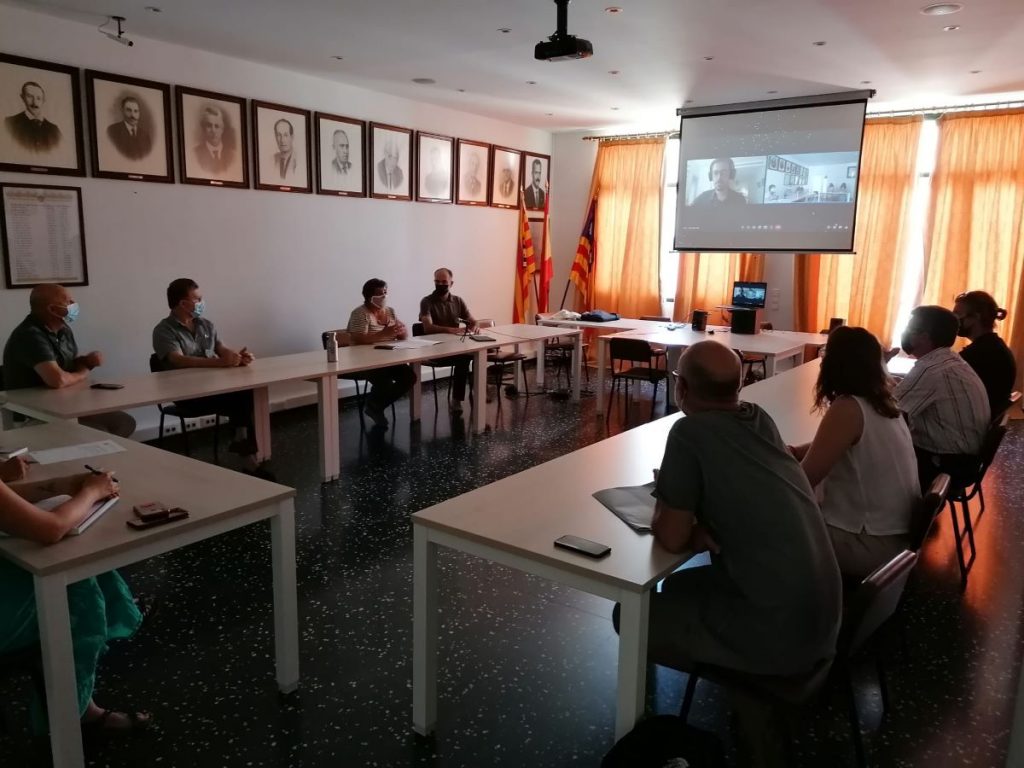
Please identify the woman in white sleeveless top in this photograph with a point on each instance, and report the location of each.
(861, 460)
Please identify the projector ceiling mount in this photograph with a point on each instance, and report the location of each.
(562, 46)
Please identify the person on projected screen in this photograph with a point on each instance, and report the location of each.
(721, 174)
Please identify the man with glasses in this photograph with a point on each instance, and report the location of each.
(442, 312)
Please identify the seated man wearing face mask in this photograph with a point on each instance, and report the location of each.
(373, 322)
(186, 339)
(42, 351)
(441, 312)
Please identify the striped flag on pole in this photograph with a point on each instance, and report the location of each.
(526, 265)
(582, 273)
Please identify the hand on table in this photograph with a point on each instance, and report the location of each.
(93, 360)
(101, 486)
(245, 356)
(14, 469)
(230, 358)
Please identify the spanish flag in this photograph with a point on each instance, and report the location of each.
(526, 265)
(582, 272)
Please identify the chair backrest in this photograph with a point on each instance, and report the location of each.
(341, 334)
(874, 602)
(155, 366)
(656, 318)
(990, 446)
(1014, 398)
(767, 326)
(417, 329)
(630, 350)
(926, 509)
(485, 323)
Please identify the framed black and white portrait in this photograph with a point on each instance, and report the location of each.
(130, 127)
(505, 177)
(212, 138)
(341, 157)
(40, 105)
(435, 156)
(472, 172)
(391, 162)
(536, 174)
(280, 140)
(773, 162)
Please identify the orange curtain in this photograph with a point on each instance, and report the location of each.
(628, 183)
(705, 279)
(864, 287)
(977, 215)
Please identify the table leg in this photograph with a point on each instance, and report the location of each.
(286, 622)
(261, 421)
(633, 619)
(330, 448)
(672, 356)
(598, 339)
(59, 671)
(416, 396)
(769, 366)
(541, 351)
(479, 414)
(424, 632)
(577, 364)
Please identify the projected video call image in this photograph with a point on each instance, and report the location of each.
(816, 178)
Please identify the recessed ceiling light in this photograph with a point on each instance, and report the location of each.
(549, 114)
(688, 101)
(951, 28)
(819, 43)
(504, 30)
(154, 9)
(613, 71)
(424, 80)
(941, 9)
(461, 90)
(531, 82)
(613, 9)
(865, 82)
(709, 58)
(975, 71)
(615, 109)
(772, 91)
(338, 58)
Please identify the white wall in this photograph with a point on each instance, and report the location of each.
(572, 165)
(275, 268)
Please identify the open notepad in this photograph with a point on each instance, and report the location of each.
(406, 344)
(91, 517)
(632, 504)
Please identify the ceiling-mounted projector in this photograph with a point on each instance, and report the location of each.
(561, 45)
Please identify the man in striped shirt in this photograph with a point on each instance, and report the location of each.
(944, 399)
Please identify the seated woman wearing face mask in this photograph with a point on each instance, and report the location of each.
(373, 322)
(987, 354)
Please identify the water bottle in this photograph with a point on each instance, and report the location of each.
(332, 347)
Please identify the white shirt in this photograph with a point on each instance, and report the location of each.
(873, 487)
(946, 402)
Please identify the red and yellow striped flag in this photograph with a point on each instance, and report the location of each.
(582, 272)
(526, 265)
(547, 270)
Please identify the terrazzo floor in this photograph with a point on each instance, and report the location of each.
(527, 667)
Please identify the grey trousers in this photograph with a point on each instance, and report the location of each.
(859, 554)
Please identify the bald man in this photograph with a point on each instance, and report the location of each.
(769, 602)
(41, 352)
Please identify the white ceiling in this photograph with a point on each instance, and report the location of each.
(657, 45)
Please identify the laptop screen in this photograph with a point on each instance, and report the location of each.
(749, 294)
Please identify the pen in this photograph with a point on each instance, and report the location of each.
(98, 472)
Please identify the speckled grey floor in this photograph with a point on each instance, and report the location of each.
(527, 668)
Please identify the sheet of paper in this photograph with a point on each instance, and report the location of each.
(76, 452)
(94, 513)
(413, 343)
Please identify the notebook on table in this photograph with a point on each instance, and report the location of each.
(633, 505)
(94, 514)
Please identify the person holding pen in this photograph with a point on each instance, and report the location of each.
(101, 607)
(374, 322)
(187, 339)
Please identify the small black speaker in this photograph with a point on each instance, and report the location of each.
(699, 320)
(745, 321)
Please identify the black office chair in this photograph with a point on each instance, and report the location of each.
(433, 365)
(643, 367)
(182, 412)
(499, 361)
(750, 360)
(344, 339)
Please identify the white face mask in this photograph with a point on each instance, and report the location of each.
(379, 301)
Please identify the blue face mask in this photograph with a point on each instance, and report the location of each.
(199, 309)
(72, 313)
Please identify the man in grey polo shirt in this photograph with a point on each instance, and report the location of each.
(42, 352)
(186, 339)
(770, 601)
(441, 312)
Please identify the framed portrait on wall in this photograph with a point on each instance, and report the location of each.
(130, 127)
(435, 158)
(213, 139)
(391, 159)
(851, 171)
(505, 172)
(473, 164)
(42, 235)
(773, 162)
(536, 174)
(341, 157)
(280, 140)
(40, 104)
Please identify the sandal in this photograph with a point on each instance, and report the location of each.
(101, 726)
